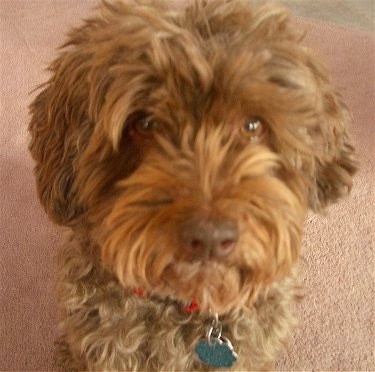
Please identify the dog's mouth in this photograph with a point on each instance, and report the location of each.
(214, 286)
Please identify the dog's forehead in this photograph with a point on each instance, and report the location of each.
(196, 63)
(219, 61)
(192, 79)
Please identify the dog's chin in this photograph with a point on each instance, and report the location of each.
(216, 287)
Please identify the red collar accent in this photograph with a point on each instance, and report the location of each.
(191, 308)
(139, 292)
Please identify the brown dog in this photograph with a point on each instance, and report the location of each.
(183, 149)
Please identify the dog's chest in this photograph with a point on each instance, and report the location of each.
(111, 328)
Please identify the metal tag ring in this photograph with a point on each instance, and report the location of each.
(215, 330)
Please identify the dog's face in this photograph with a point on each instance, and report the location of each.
(190, 145)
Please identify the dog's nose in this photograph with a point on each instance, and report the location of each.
(204, 239)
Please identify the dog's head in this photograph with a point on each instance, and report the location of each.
(189, 143)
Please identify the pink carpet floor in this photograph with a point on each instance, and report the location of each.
(336, 330)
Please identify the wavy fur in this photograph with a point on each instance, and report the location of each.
(147, 125)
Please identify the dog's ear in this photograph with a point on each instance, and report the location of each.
(334, 163)
(321, 148)
(335, 169)
(78, 120)
(59, 129)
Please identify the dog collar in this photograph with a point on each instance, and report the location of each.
(192, 307)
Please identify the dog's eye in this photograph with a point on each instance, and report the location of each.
(145, 126)
(254, 129)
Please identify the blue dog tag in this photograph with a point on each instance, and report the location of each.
(216, 352)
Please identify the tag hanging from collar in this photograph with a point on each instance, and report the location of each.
(214, 349)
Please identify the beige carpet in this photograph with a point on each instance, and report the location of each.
(336, 329)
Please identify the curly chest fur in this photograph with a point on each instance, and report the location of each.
(107, 327)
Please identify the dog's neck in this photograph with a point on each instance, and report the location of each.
(212, 349)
